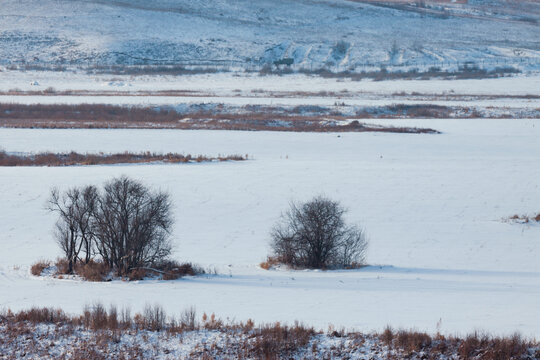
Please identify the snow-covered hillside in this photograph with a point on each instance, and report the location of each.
(336, 34)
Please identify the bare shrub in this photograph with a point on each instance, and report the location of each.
(37, 268)
(112, 318)
(314, 235)
(188, 318)
(98, 317)
(153, 318)
(387, 336)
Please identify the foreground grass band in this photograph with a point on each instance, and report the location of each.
(47, 333)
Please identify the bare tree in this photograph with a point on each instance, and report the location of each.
(314, 235)
(73, 232)
(131, 225)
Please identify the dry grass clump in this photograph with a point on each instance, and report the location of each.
(42, 315)
(409, 341)
(93, 270)
(412, 340)
(524, 218)
(271, 261)
(278, 341)
(37, 268)
(74, 158)
(62, 267)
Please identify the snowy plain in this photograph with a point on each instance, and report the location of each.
(433, 206)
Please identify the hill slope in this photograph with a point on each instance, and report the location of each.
(333, 34)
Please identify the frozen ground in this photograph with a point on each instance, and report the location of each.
(431, 204)
(226, 84)
(335, 34)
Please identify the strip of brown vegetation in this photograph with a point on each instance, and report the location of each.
(98, 271)
(74, 158)
(109, 116)
(101, 333)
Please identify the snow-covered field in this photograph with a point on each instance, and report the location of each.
(432, 205)
(505, 96)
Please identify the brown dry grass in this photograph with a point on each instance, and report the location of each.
(97, 270)
(108, 116)
(62, 266)
(37, 268)
(270, 262)
(279, 342)
(93, 271)
(98, 329)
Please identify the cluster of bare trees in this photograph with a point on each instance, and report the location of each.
(314, 235)
(127, 226)
(124, 224)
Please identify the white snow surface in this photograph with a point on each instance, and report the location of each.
(432, 206)
(227, 84)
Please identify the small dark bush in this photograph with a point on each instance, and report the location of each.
(314, 235)
(172, 270)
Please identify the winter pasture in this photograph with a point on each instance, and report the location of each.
(442, 255)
